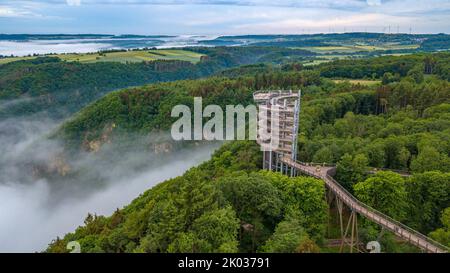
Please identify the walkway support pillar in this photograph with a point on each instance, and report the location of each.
(353, 222)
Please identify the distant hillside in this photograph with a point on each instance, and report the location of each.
(228, 205)
(437, 42)
(148, 108)
(118, 55)
(437, 64)
(61, 88)
(224, 205)
(427, 42)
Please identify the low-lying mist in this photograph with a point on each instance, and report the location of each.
(46, 192)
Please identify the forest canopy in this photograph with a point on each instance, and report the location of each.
(401, 124)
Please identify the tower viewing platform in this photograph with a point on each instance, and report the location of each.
(278, 121)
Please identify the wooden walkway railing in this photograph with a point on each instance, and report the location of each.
(412, 236)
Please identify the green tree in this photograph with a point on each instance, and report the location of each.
(290, 237)
(164, 224)
(386, 192)
(324, 155)
(196, 195)
(417, 73)
(344, 171)
(219, 228)
(257, 203)
(428, 195)
(188, 242)
(374, 151)
(397, 155)
(214, 231)
(351, 170)
(429, 159)
(443, 234)
(429, 63)
(303, 195)
(387, 78)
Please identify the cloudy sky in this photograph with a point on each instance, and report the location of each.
(223, 16)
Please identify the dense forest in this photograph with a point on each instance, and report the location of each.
(389, 68)
(59, 88)
(229, 205)
(224, 205)
(427, 42)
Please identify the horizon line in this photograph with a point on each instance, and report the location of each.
(232, 35)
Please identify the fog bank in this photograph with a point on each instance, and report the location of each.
(34, 210)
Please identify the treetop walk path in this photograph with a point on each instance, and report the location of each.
(282, 157)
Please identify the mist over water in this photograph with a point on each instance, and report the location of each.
(35, 208)
(86, 45)
(8, 48)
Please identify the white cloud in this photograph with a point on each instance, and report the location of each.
(231, 16)
(309, 20)
(374, 2)
(44, 47)
(34, 211)
(73, 2)
(6, 11)
(280, 3)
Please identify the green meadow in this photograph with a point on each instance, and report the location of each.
(352, 48)
(122, 56)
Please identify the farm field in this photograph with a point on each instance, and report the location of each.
(8, 60)
(359, 48)
(122, 56)
(134, 56)
(359, 81)
(316, 62)
(328, 58)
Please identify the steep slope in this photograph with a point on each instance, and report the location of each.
(61, 88)
(205, 209)
(341, 122)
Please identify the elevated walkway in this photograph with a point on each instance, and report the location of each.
(399, 229)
